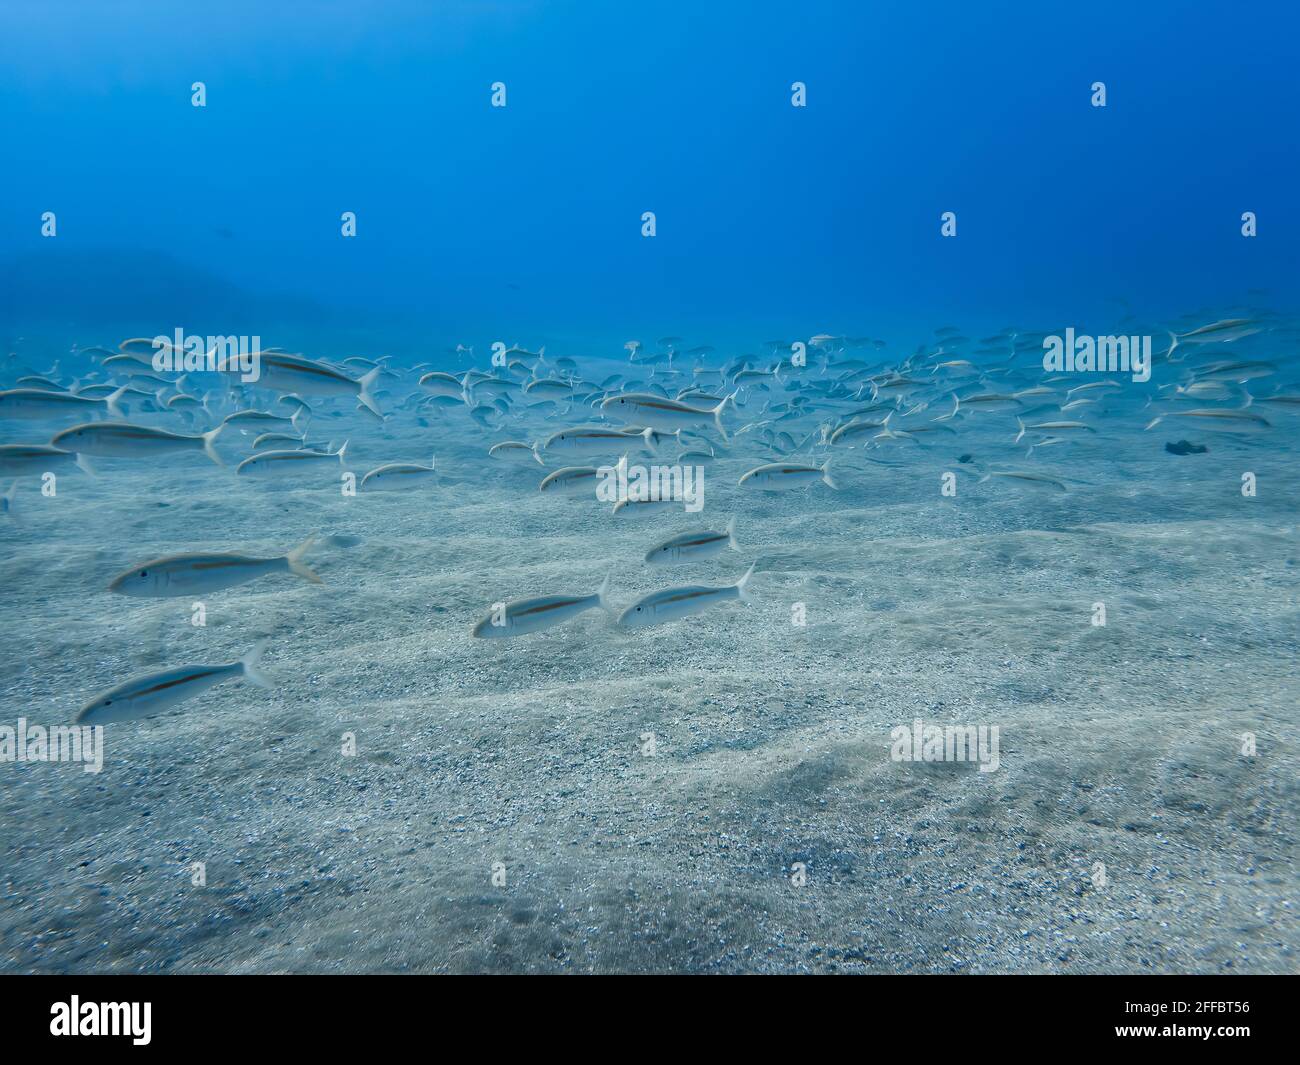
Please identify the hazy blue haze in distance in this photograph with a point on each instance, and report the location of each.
(523, 223)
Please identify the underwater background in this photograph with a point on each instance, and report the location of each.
(720, 793)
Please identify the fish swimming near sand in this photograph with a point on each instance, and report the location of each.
(200, 573)
(783, 476)
(157, 693)
(281, 372)
(673, 604)
(570, 480)
(271, 464)
(660, 412)
(1051, 427)
(1222, 332)
(396, 476)
(1224, 420)
(260, 420)
(516, 451)
(124, 440)
(26, 460)
(1028, 478)
(39, 404)
(693, 546)
(534, 615)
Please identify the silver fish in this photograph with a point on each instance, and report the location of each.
(201, 572)
(38, 404)
(673, 604)
(694, 546)
(516, 451)
(282, 372)
(159, 692)
(571, 480)
(23, 460)
(396, 476)
(782, 476)
(533, 615)
(124, 440)
(281, 463)
(660, 412)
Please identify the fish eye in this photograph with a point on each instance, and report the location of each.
(144, 573)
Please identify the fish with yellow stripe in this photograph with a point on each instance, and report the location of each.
(535, 615)
(157, 693)
(202, 572)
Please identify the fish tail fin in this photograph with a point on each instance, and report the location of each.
(1249, 398)
(651, 439)
(742, 585)
(1154, 422)
(1173, 343)
(602, 593)
(538, 455)
(294, 419)
(296, 564)
(1020, 435)
(731, 534)
(111, 402)
(717, 415)
(83, 463)
(364, 397)
(826, 475)
(210, 438)
(342, 453)
(251, 664)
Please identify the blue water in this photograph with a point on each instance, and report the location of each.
(523, 223)
(1101, 566)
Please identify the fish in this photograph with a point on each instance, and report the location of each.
(1051, 427)
(261, 420)
(1226, 421)
(282, 372)
(200, 573)
(570, 480)
(123, 440)
(156, 693)
(781, 476)
(1221, 332)
(22, 460)
(534, 615)
(516, 451)
(660, 412)
(693, 546)
(854, 429)
(276, 463)
(598, 440)
(397, 475)
(1235, 372)
(267, 440)
(638, 508)
(1282, 401)
(990, 401)
(1026, 477)
(673, 604)
(442, 384)
(38, 404)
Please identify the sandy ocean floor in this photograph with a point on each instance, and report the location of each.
(1119, 744)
